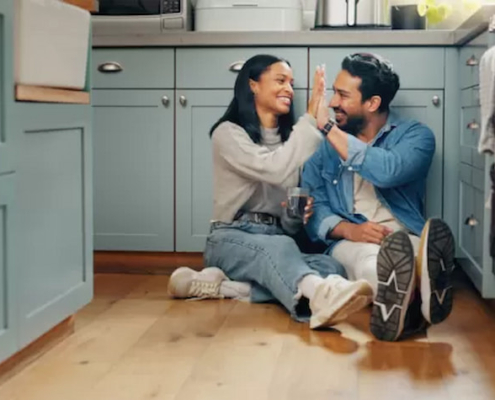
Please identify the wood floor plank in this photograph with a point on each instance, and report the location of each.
(75, 365)
(468, 367)
(160, 362)
(242, 357)
(134, 342)
(315, 365)
(108, 289)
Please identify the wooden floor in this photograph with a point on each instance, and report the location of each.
(133, 343)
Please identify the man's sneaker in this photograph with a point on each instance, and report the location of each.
(435, 266)
(396, 276)
(186, 283)
(336, 298)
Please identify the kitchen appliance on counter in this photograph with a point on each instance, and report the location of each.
(128, 17)
(248, 15)
(352, 14)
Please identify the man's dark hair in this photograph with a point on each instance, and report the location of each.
(378, 77)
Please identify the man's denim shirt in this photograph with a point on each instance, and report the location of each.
(396, 162)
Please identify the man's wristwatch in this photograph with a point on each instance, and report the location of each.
(328, 126)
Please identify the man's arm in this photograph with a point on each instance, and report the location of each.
(408, 160)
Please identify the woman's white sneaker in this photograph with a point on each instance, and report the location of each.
(336, 298)
(187, 283)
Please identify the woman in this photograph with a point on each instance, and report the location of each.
(257, 154)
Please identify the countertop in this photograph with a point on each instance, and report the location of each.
(472, 27)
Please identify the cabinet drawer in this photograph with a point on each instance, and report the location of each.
(466, 218)
(478, 159)
(466, 155)
(133, 68)
(465, 174)
(470, 56)
(418, 68)
(470, 126)
(479, 179)
(470, 96)
(217, 68)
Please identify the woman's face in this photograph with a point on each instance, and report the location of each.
(273, 92)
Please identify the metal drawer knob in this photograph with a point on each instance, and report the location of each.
(165, 101)
(183, 101)
(471, 221)
(236, 66)
(473, 125)
(435, 100)
(472, 61)
(110, 67)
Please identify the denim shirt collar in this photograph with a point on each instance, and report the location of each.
(390, 124)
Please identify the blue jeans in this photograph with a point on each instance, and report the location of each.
(268, 259)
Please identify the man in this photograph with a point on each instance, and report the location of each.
(368, 183)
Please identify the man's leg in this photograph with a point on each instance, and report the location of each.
(435, 266)
(390, 269)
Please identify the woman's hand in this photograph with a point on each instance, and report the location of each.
(318, 92)
(322, 113)
(308, 209)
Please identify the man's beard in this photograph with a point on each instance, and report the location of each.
(354, 124)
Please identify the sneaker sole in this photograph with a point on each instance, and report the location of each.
(395, 268)
(436, 265)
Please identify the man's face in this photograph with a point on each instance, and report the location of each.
(347, 103)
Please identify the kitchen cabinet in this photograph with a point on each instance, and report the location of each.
(127, 192)
(426, 106)
(53, 249)
(197, 111)
(8, 310)
(6, 98)
(474, 184)
(134, 170)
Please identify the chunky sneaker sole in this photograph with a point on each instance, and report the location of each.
(435, 267)
(396, 273)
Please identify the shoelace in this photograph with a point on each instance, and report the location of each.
(205, 290)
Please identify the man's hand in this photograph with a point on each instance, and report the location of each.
(367, 232)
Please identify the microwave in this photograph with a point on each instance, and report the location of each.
(121, 17)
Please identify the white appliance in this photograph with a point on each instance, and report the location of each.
(248, 15)
(51, 43)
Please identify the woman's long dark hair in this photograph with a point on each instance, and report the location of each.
(242, 110)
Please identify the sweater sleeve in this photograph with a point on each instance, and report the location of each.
(232, 144)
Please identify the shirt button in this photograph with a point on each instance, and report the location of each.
(349, 169)
(335, 182)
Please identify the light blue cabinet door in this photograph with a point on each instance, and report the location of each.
(53, 245)
(421, 105)
(196, 113)
(8, 309)
(134, 170)
(6, 86)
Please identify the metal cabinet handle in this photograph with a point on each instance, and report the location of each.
(165, 101)
(472, 61)
(473, 125)
(236, 66)
(110, 67)
(183, 101)
(435, 100)
(471, 221)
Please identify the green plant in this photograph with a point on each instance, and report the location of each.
(437, 11)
